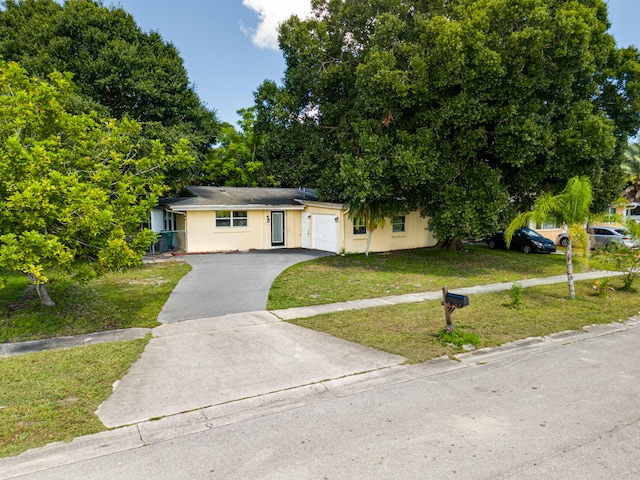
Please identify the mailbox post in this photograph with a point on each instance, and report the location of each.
(451, 301)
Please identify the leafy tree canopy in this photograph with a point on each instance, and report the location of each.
(293, 149)
(457, 107)
(234, 160)
(114, 64)
(74, 191)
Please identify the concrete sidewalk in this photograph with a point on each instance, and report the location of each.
(304, 312)
(206, 362)
(188, 440)
(200, 373)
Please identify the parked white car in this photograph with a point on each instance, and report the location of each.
(603, 237)
(563, 239)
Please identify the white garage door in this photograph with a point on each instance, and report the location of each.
(324, 233)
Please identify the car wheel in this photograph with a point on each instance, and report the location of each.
(526, 249)
(491, 244)
(564, 241)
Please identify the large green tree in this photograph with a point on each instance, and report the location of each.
(114, 64)
(234, 160)
(74, 192)
(293, 149)
(458, 106)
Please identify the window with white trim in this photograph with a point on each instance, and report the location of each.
(634, 211)
(169, 223)
(397, 223)
(226, 218)
(552, 225)
(359, 228)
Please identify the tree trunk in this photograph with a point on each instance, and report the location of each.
(41, 290)
(366, 251)
(569, 259)
(450, 244)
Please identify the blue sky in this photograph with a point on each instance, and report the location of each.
(228, 45)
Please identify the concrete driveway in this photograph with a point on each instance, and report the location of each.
(219, 345)
(220, 284)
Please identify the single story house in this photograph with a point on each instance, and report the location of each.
(224, 219)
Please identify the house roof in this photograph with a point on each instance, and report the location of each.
(245, 198)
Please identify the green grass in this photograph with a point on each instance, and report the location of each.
(132, 298)
(351, 277)
(52, 396)
(413, 330)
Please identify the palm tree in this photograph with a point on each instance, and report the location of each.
(571, 208)
(371, 215)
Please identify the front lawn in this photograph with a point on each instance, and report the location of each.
(412, 330)
(51, 396)
(132, 298)
(351, 277)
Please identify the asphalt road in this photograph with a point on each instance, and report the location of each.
(567, 407)
(220, 284)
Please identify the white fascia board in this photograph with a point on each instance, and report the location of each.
(187, 208)
(314, 203)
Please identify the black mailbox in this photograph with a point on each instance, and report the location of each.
(457, 300)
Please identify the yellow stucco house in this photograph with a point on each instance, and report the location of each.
(225, 219)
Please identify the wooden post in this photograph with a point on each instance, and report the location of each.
(448, 310)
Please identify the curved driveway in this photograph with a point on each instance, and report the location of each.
(224, 283)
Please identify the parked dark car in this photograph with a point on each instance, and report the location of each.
(525, 240)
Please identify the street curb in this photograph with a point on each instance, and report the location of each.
(152, 432)
(20, 348)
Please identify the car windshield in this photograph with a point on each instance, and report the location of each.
(531, 233)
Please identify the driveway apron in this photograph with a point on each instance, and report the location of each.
(218, 345)
(220, 284)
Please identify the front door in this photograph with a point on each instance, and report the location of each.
(277, 229)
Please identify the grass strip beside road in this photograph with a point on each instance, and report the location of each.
(52, 396)
(412, 330)
(127, 299)
(353, 277)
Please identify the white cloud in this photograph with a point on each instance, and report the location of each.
(271, 13)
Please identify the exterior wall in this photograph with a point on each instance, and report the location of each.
(204, 236)
(292, 229)
(416, 235)
(550, 233)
